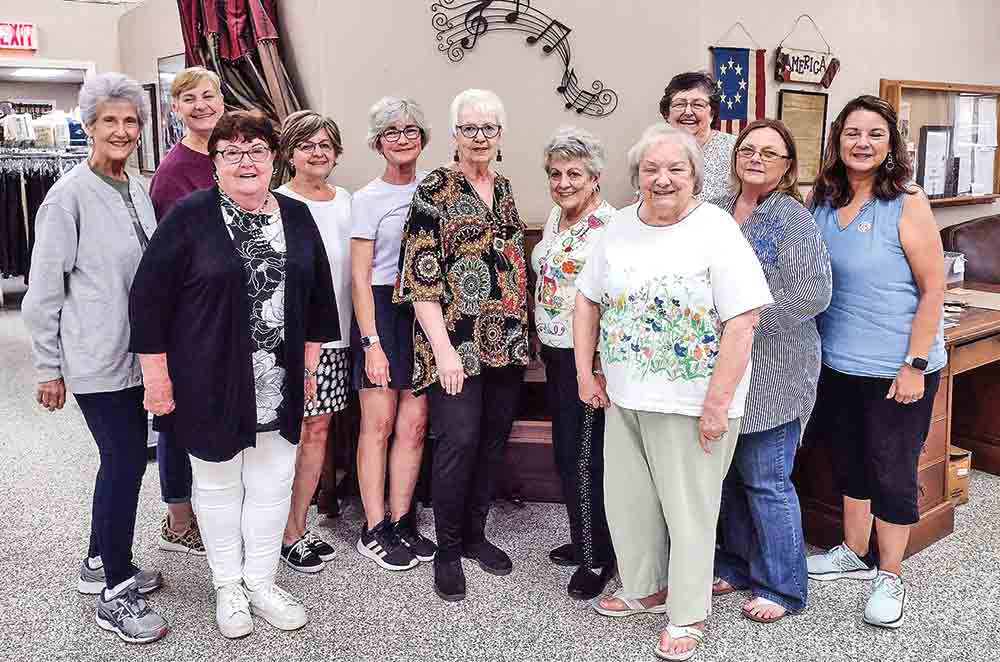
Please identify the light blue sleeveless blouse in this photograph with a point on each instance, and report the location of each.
(866, 329)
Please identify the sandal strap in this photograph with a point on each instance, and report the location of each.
(682, 631)
(631, 603)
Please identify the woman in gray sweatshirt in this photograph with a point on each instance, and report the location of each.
(91, 231)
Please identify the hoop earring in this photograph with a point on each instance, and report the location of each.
(890, 163)
(499, 156)
(455, 158)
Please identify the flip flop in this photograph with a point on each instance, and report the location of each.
(676, 632)
(760, 619)
(718, 590)
(632, 607)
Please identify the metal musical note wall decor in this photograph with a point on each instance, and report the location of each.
(461, 23)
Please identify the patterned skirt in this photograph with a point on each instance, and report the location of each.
(332, 382)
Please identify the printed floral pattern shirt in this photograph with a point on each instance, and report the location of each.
(260, 245)
(469, 258)
(665, 293)
(557, 259)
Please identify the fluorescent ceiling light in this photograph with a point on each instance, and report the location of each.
(39, 73)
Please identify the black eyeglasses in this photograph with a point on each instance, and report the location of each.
(766, 155)
(470, 131)
(233, 155)
(392, 134)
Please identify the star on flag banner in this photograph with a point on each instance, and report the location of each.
(739, 79)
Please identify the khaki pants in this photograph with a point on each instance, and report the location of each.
(662, 494)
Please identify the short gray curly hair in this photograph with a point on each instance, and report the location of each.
(570, 142)
(387, 111)
(111, 86)
(663, 132)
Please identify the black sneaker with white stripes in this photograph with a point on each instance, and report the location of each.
(300, 556)
(421, 547)
(383, 546)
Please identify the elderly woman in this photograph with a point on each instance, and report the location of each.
(883, 345)
(675, 290)
(187, 167)
(691, 102)
(92, 229)
(574, 160)
(761, 546)
(311, 146)
(229, 309)
(462, 267)
(382, 342)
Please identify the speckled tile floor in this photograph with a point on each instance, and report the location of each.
(358, 612)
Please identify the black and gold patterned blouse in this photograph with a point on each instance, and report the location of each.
(470, 259)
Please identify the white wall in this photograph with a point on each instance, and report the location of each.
(147, 32)
(69, 30)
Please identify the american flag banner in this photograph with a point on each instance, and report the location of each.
(739, 77)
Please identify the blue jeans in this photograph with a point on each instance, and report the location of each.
(760, 537)
(175, 470)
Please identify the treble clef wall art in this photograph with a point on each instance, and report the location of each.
(460, 24)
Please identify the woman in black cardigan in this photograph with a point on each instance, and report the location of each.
(230, 306)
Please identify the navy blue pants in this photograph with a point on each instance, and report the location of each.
(117, 421)
(175, 469)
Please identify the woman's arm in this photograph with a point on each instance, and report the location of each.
(807, 284)
(312, 352)
(586, 319)
(449, 363)
(362, 254)
(159, 390)
(730, 366)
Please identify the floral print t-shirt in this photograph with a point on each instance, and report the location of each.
(260, 245)
(469, 258)
(558, 259)
(665, 293)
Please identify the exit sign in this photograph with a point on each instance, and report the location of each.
(19, 36)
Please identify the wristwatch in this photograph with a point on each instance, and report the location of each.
(368, 341)
(916, 362)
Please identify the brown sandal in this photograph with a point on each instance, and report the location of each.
(762, 619)
(717, 588)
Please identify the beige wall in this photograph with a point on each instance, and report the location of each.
(64, 94)
(70, 30)
(147, 32)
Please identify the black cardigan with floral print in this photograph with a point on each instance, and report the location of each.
(469, 258)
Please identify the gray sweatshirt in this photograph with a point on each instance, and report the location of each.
(85, 256)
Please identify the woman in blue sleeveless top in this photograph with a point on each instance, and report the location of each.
(883, 345)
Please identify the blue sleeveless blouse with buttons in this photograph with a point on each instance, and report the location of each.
(866, 329)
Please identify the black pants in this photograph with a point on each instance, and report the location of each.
(118, 423)
(471, 431)
(578, 443)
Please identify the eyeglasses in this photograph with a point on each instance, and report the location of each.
(311, 147)
(392, 134)
(766, 155)
(234, 156)
(470, 131)
(681, 105)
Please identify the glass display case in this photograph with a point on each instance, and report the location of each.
(950, 130)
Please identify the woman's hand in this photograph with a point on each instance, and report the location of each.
(712, 426)
(593, 391)
(451, 372)
(51, 394)
(377, 365)
(907, 387)
(159, 397)
(534, 346)
(310, 388)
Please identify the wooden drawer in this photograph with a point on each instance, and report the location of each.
(930, 485)
(975, 354)
(936, 444)
(941, 399)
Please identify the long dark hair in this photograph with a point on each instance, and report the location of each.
(790, 181)
(831, 183)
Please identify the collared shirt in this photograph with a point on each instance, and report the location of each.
(469, 258)
(786, 347)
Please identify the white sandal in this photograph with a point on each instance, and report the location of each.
(632, 605)
(676, 633)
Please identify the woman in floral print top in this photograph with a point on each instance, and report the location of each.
(462, 267)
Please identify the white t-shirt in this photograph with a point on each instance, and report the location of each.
(664, 294)
(378, 212)
(557, 260)
(333, 218)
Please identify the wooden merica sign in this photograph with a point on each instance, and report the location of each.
(793, 65)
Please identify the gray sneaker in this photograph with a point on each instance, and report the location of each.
(128, 616)
(838, 563)
(885, 605)
(92, 581)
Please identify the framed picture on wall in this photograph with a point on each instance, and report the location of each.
(149, 141)
(804, 113)
(934, 161)
(171, 128)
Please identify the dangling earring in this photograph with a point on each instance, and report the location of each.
(499, 156)
(215, 176)
(455, 158)
(890, 163)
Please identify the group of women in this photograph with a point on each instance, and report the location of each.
(684, 339)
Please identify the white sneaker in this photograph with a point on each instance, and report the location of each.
(232, 612)
(885, 605)
(838, 563)
(277, 607)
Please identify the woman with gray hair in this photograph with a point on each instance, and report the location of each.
(462, 267)
(382, 342)
(574, 160)
(673, 291)
(92, 228)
